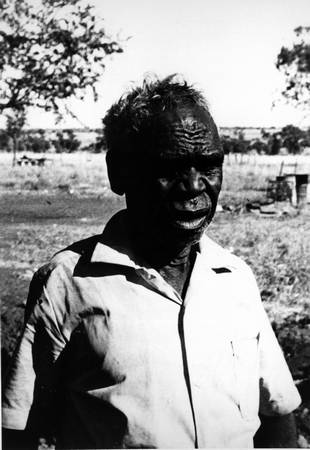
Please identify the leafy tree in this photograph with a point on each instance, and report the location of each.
(100, 144)
(14, 129)
(50, 52)
(274, 144)
(4, 142)
(294, 62)
(36, 141)
(260, 147)
(66, 141)
(292, 138)
(234, 145)
(305, 141)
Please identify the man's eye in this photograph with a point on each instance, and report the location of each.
(209, 164)
(206, 168)
(166, 170)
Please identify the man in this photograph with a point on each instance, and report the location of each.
(151, 335)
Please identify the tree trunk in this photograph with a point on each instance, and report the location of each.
(14, 150)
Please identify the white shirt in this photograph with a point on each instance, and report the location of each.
(135, 366)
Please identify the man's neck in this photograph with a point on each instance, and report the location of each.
(177, 273)
(174, 263)
(159, 255)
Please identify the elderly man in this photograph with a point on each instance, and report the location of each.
(151, 335)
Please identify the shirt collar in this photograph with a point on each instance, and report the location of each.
(114, 247)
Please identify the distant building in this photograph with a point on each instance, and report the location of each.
(249, 133)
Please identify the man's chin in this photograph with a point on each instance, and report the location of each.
(168, 231)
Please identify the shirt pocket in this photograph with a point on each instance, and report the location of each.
(245, 360)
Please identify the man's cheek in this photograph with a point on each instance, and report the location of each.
(215, 189)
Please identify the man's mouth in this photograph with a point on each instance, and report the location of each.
(189, 220)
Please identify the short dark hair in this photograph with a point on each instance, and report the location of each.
(130, 124)
(128, 121)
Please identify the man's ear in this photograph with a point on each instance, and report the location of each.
(115, 173)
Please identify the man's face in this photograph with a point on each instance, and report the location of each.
(175, 187)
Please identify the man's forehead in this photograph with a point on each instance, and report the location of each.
(188, 117)
(184, 131)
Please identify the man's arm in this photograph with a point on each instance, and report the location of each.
(29, 393)
(276, 432)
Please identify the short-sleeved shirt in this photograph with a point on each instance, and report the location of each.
(111, 356)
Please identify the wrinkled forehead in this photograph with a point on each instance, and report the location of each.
(185, 130)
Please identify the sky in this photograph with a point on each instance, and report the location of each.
(226, 48)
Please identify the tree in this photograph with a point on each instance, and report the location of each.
(50, 52)
(294, 62)
(234, 145)
(292, 138)
(66, 141)
(260, 147)
(274, 144)
(100, 144)
(14, 126)
(36, 141)
(3, 140)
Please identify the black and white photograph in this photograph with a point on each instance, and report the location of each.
(155, 224)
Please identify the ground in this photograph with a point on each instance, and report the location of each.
(46, 209)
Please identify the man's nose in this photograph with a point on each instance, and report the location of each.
(191, 181)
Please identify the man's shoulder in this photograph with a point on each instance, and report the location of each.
(236, 288)
(66, 259)
(221, 256)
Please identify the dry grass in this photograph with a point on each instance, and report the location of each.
(86, 173)
(75, 186)
(46, 209)
(77, 172)
(246, 176)
(278, 250)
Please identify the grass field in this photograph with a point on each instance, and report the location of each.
(44, 209)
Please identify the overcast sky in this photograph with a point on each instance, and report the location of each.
(227, 48)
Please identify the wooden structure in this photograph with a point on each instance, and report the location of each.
(27, 161)
(289, 185)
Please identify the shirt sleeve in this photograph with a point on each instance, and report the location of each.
(278, 393)
(30, 385)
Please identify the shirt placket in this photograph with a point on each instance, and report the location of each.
(204, 300)
(201, 272)
(155, 280)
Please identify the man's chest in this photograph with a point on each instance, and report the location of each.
(124, 325)
(133, 345)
